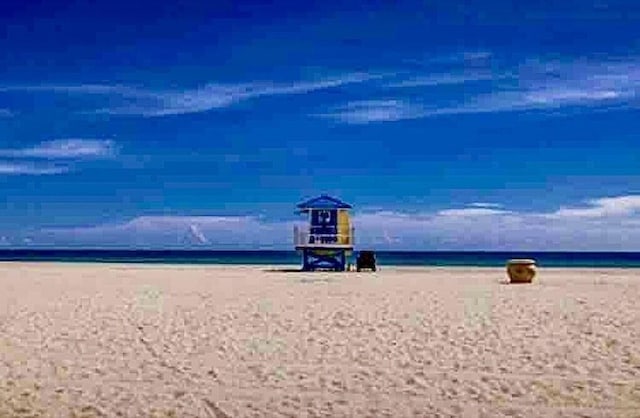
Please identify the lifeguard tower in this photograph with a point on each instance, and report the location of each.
(328, 239)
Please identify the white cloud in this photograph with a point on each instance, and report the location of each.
(61, 153)
(153, 103)
(613, 225)
(5, 113)
(28, 168)
(446, 79)
(234, 232)
(559, 96)
(543, 99)
(529, 95)
(540, 99)
(98, 89)
(614, 228)
(214, 96)
(531, 85)
(451, 60)
(370, 111)
(464, 57)
(476, 55)
(603, 207)
(143, 223)
(550, 85)
(65, 149)
(309, 86)
(471, 212)
(485, 205)
(534, 85)
(504, 101)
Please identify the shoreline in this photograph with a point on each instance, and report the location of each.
(293, 268)
(290, 258)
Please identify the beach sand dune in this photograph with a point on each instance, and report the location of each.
(91, 340)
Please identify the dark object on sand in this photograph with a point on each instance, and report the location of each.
(366, 260)
(521, 270)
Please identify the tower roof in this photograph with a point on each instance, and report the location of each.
(324, 202)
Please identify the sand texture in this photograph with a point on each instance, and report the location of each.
(89, 340)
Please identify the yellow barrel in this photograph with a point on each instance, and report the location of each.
(521, 270)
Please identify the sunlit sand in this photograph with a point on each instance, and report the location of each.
(214, 341)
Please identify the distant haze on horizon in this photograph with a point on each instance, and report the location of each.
(448, 125)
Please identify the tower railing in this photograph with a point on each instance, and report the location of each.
(302, 237)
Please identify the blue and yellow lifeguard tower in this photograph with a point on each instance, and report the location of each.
(328, 239)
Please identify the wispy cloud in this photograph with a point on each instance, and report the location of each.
(554, 84)
(530, 85)
(444, 79)
(471, 212)
(370, 111)
(65, 149)
(215, 96)
(5, 113)
(28, 168)
(452, 60)
(62, 156)
(154, 103)
(391, 110)
(461, 57)
(535, 99)
(485, 205)
(98, 89)
(513, 101)
(534, 85)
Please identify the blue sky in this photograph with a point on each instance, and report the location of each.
(448, 125)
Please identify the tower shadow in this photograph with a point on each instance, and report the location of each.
(284, 270)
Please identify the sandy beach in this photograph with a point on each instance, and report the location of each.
(219, 341)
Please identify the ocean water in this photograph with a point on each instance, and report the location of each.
(389, 258)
